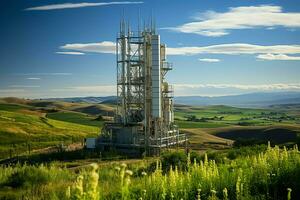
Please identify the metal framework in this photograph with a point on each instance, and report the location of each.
(144, 116)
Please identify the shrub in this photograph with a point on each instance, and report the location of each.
(240, 142)
(28, 176)
(172, 159)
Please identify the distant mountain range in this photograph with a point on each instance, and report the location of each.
(263, 99)
(106, 99)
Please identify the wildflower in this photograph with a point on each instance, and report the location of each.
(213, 195)
(198, 194)
(296, 147)
(225, 194)
(78, 187)
(238, 188)
(123, 165)
(92, 183)
(188, 161)
(172, 195)
(289, 196)
(269, 145)
(94, 166)
(144, 192)
(117, 169)
(68, 192)
(144, 174)
(129, 172)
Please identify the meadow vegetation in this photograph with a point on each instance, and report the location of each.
(229, 157)
(258, 173)
(28, 125)
(24, 128)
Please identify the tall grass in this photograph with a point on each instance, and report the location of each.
(271, 174)
(34, 182)
(266, 175)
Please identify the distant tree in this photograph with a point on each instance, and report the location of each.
(99, 118)
(191, 118)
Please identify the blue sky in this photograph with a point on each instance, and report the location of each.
(65, 48)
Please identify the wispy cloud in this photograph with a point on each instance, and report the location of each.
(209, 60)
(80, 5)
(24, 86)
(215, 24)
(209, 89)
(270, 56)
(235, 49)
(33, 78)
(70, 53)
(44, 74)
(279, 52)
(276, 86)
(100, 47)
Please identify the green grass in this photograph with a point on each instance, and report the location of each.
(189, 124)
(12, 107)
(75, 117)
(261, 173)
(233, 116)
(23, 126)
(18, 129)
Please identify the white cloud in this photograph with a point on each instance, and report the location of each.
(209, 89)
(270, 56)
(217, 24)
(80, 5)
(235, 48)
(100, 47)
(24, 86)
(44, 74)
(277, 86)
(33, 78)
(278, 51)
(70, 53)
(209, 60)
(183, 89)
(57, 74)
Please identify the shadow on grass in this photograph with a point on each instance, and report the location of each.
(61, 155)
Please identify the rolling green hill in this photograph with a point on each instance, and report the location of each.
(26, 124)
(43, 123)
(208, 126)
(20, 130)
(75, 117)
(222, 116)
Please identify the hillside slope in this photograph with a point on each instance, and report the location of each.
(24, 127)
